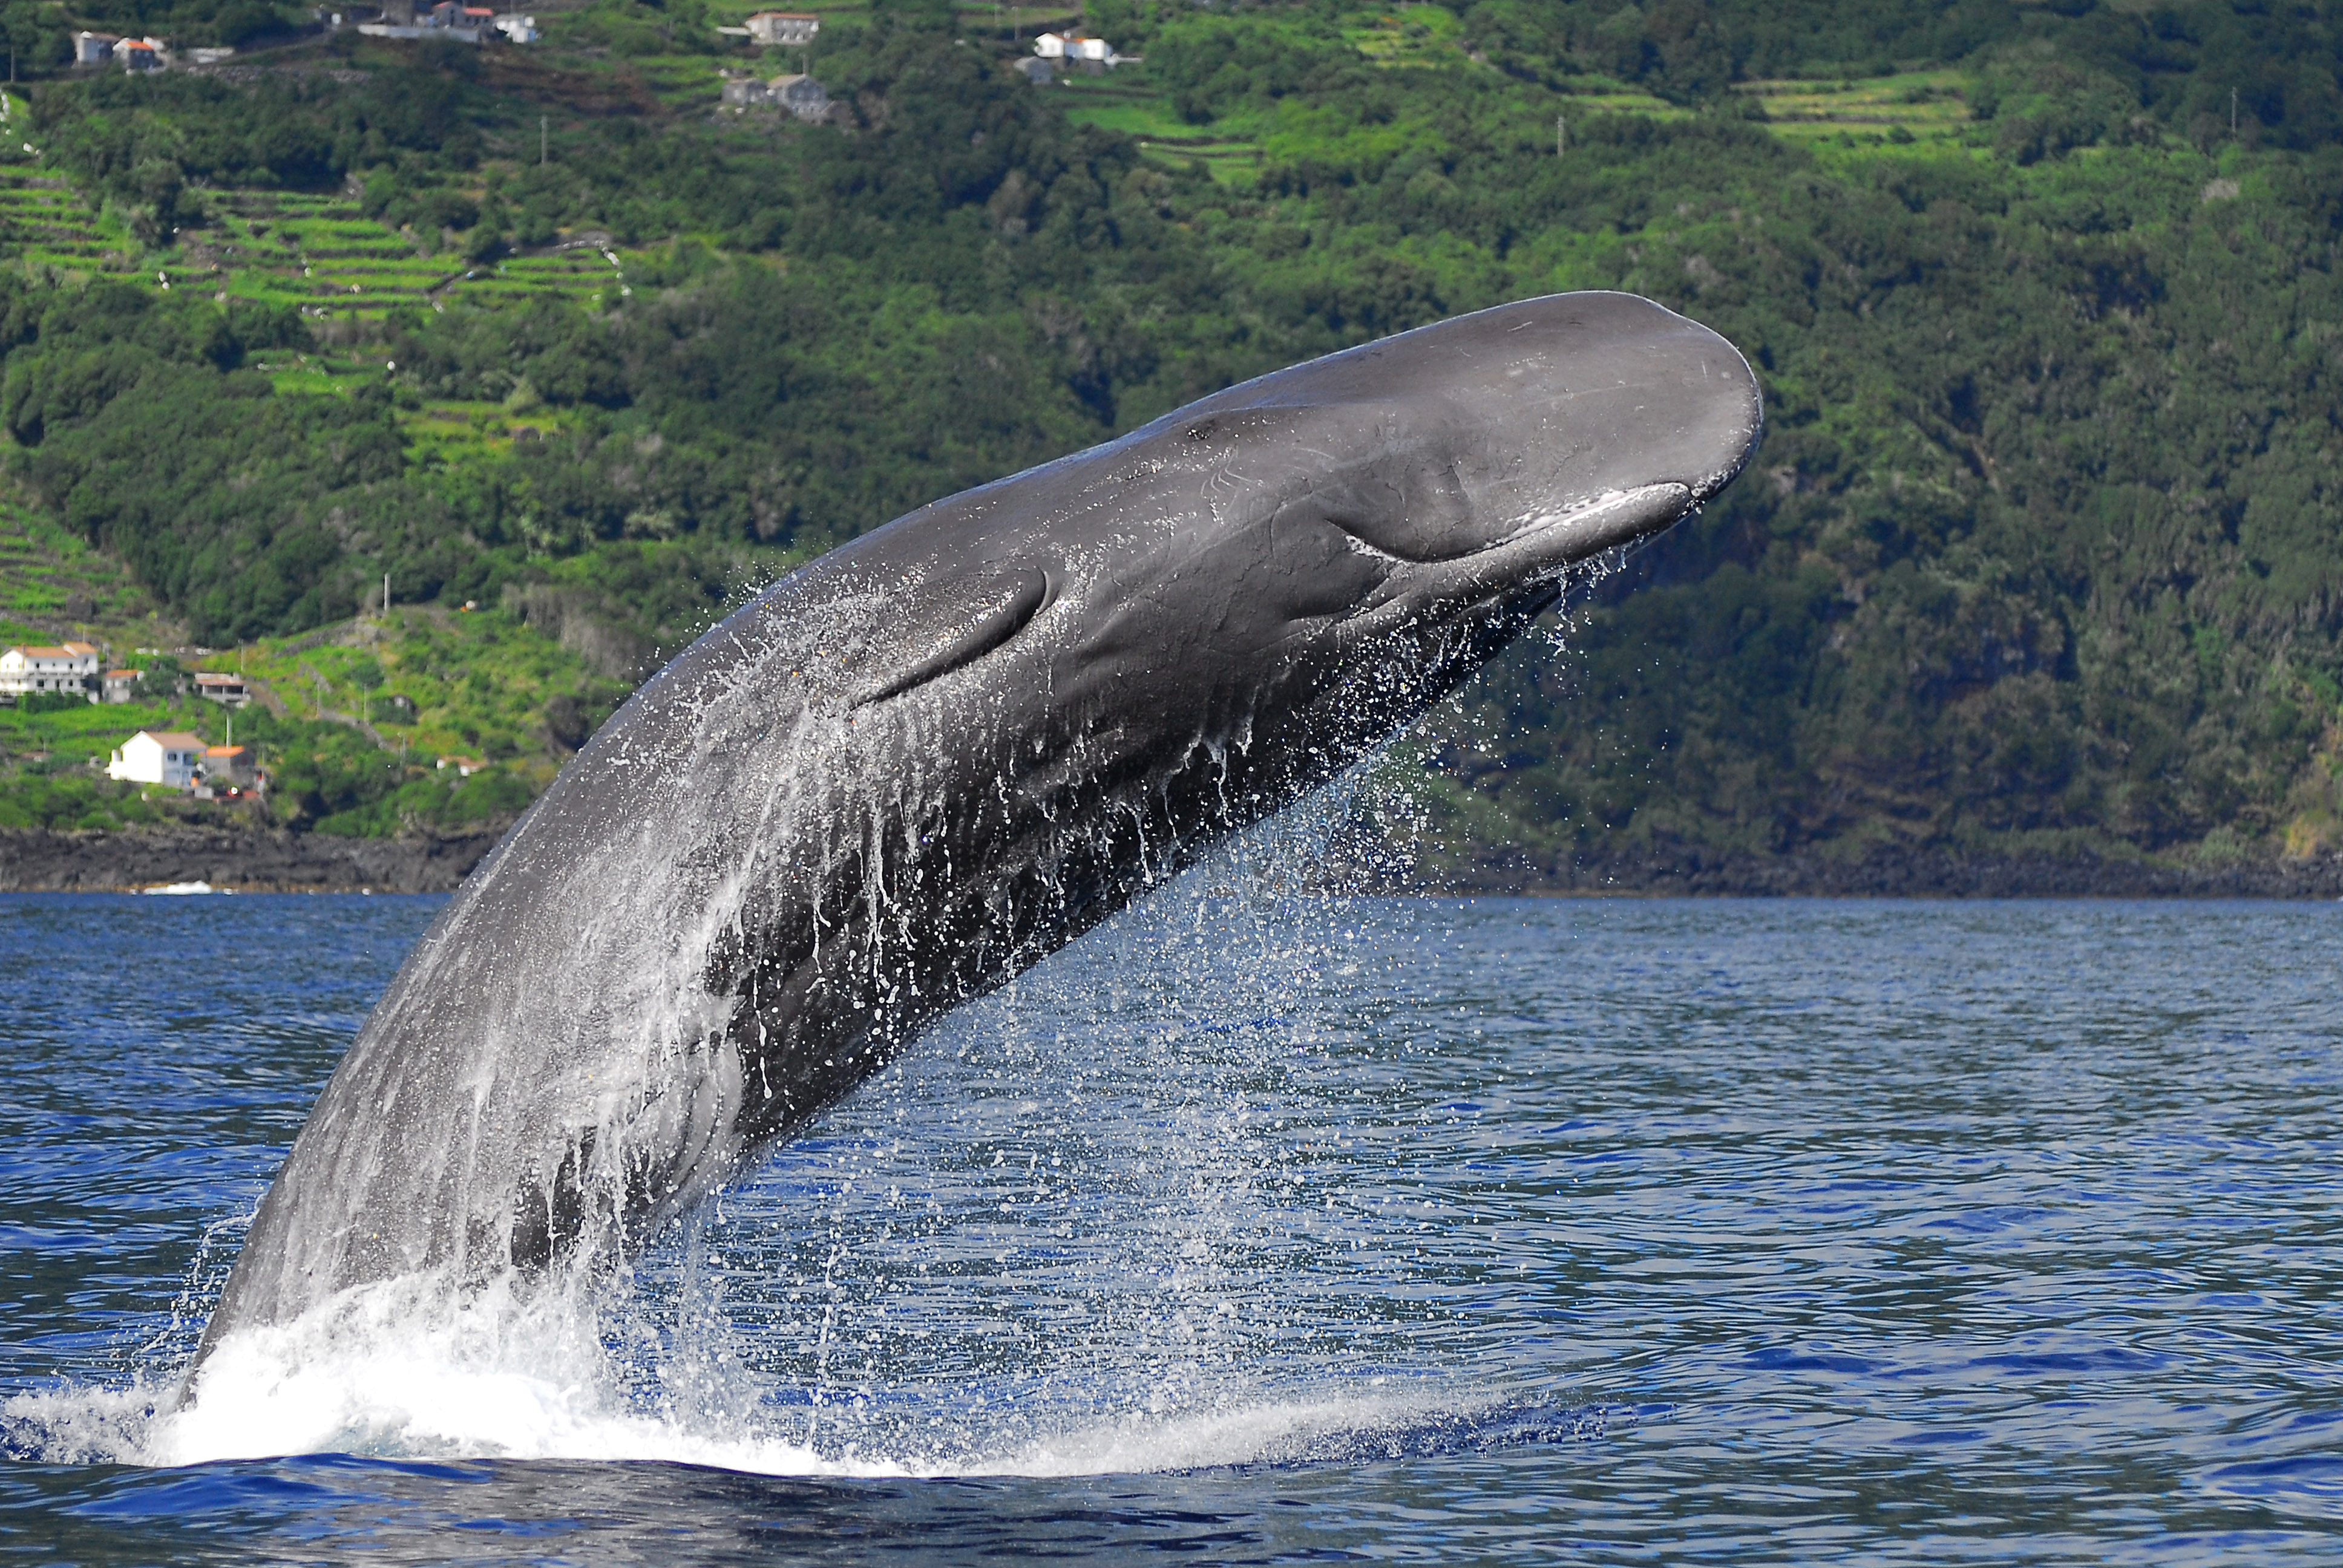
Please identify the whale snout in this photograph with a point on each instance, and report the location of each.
(1587, 420)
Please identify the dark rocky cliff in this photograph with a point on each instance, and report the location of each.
(252, 859)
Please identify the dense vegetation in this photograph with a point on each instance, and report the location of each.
(2041, 552)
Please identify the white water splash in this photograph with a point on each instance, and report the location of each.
(367, 1377)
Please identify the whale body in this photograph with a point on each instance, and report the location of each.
(915, 767)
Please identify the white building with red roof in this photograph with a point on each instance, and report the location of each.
(168, 757)
(27, 671)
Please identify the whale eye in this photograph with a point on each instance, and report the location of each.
(990, 620)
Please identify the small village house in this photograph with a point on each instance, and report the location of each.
(119, 685)
(28, 671)
(141, 53)
(94, 48)
(228, 765)
(1076, 49)
(800, 95)
(789, 29)
(168, 757)
(449, 19)
(229, 690)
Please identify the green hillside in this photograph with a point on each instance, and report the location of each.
(2040, 556)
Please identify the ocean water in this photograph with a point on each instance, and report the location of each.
(1263, 1227)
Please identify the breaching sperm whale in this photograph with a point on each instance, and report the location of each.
(912, 769)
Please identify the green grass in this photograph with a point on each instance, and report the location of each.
(474, 684)
(1915, 104)
(1125, 103)
(55, 587)
(325, 256)
(1410, 35)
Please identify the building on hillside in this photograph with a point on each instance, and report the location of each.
(70, 666)
(119, 685)
(168, 756)
(1078, 51)
(95, 48)
(449, 20)
(800, 95)
(518, 29)
(789, 29)
(135, 54)
(1037, 70)
(803, 97)
(227, 690)
(228, 765)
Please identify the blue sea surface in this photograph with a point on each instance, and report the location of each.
(1262, 1227)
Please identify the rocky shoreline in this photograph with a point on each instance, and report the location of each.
(1896, 871)
(253, 859)
(247, 860)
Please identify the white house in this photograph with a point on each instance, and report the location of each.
(517, 28)
(229, 690)
(141, 53)
(1093, 55)
(791, 29)
(72, 666)
(119, 685)
(170, 757)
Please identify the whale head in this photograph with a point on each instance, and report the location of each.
(1360, 530)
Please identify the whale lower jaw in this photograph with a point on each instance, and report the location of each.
(1540, 551)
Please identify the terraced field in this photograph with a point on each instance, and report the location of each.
(326, 257)
(53, 587)
(1916, 104)
(1125, 102)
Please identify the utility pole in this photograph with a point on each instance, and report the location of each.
(541, 156)
(2233, 111)
(1560, 135)
(386, 596)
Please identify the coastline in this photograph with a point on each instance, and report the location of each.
(274, 860)
(247, 860)
(1895, 871)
